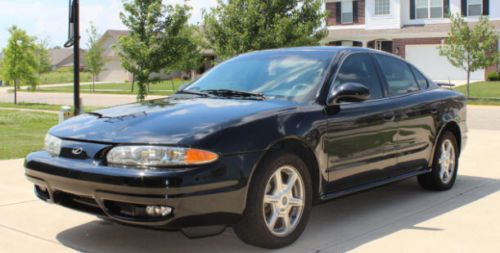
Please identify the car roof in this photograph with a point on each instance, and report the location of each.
(321, 49)
(329, 49)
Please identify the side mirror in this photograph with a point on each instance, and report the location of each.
(348, 92)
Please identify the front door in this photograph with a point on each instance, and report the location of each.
(361, 137)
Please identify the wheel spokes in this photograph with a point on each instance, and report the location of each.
(273, 218)
(286, 222)
(296, 202)
(271, 199)
(447, 161)
(292, 179)
(278, 181)
(283, 201)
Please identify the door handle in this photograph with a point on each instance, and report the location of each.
(389, 116)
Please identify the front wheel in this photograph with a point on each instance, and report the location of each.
(444, 166)
(278, 204)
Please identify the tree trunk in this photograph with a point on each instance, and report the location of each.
(93, 82)
(15, 92)
(468, 83)
(173, 87)
(133, 83)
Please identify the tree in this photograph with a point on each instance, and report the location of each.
(239, 26)
(191, 58)
(42, 56)
(470, 48)
(19, 61)
(155, 41)
(94, 60)
(1, 70)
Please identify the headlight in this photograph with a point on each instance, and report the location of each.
(52, 145)
(158, 156)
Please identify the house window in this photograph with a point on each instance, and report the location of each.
(436, 8)
(474, 7)
(422, 9)
(347, 12)
(382, 7)
(429, 9)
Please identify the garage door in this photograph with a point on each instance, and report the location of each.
(436, 67)
(114, 72)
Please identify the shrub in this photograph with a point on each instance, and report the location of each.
(493, 76)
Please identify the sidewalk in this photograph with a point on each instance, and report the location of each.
(97, 100)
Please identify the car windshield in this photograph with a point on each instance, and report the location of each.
(274, 74)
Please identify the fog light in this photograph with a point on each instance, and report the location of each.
(158, 210)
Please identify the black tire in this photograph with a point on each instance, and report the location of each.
(252, 228)
(432, 180)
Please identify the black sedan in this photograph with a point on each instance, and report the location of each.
(255, 142)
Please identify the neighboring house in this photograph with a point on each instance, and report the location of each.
(63, 57)
(113, 69)
(412, 29)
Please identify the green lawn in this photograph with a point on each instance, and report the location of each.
(36, 106)
(160, 88)
(23, 132)
(63, 76)
(482, 89)
(481, 92)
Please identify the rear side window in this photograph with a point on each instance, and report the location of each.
(421, 80)
(359, 68)
(399, 77)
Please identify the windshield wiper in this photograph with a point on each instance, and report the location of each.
(234, 93)
(192, 92)
(98, 115)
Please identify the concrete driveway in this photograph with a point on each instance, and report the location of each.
(394, 218)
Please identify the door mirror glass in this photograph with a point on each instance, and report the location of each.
(348, 92)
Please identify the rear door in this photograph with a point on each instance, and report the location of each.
(414, 113)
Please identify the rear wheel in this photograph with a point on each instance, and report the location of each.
(444, 166)
(278, 204)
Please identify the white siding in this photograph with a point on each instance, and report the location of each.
(495, 9)
(393, 20)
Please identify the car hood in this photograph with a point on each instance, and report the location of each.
(167, 121)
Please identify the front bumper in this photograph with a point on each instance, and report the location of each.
(209, 195)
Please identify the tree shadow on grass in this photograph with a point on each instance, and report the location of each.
(339, 225)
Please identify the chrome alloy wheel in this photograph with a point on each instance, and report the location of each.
(284, 201)
(447, 161)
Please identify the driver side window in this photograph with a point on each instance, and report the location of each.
(359, 68)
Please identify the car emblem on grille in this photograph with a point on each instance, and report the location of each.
(77, 151)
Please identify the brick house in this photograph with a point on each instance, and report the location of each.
(412, 29)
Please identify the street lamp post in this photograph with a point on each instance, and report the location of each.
(74, 40)
(76, 52)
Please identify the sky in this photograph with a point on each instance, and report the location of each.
(48, 19)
